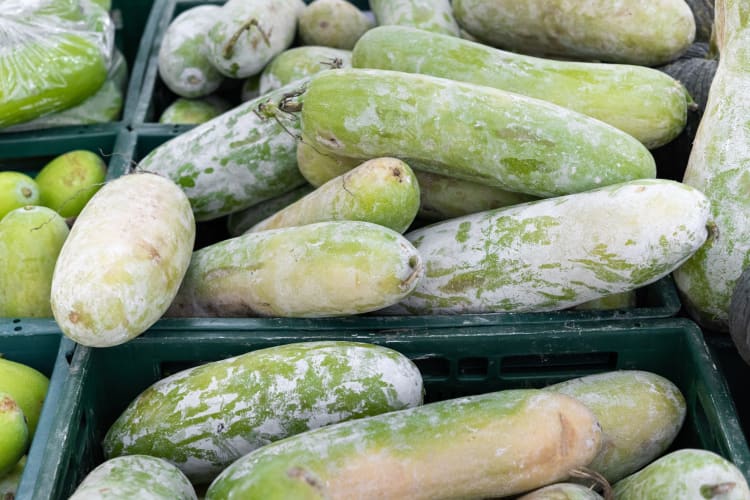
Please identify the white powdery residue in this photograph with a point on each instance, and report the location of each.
(499, 452)
(271, 427)
(193, 466)
(367, 119)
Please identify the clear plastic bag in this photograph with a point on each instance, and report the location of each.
(54, 54)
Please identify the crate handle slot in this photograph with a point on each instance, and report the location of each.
(574, 363)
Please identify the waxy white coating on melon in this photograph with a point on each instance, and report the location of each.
(640, 412)
(383, 191)
(687, 474)
(334, 268)
(123, 261)
(299, 62)
(274, 25)
(234, 161)
(719, 165)
(646, 33)
(556, 253)
(643, 102)
(204, 418)
(182, 61)
(134, 477)
(485, 446)
(428, 15)
(468, 131)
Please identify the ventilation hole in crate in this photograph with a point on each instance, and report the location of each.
(16, 320)
(574, 364)
(473, 367)
(433, 366)
(18, 329)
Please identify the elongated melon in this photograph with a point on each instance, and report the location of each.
(123, 261)
(467, 131)
(204, 418)
(136, 476)
(644, 102)
(331, 268)
(484, 446)
(640, 414)
(234, 161)
(429, 15)
(645, 32)
(687, 474)
(719, 165)
(556, 253)
(382, 191)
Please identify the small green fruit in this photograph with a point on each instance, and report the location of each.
(14, 433)
(28, 388)
(16, 190)
(69, 181)
(31, 238)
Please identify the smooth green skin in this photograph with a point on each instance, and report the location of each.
(16, 190)
(324, 269)
(555, 253)
(48, 75)
(239, 222)
(182, 61)
(236, 160)
(640, 413)
(383, 191)
(472, 447)
(514, 142)
(718, 165)
(14, 433)
(563, 491)
(123, 261)
(332, 23)
(299, 62)
(27, 386)
(622, 300)
(31, 238)
(204, 418)
(643, 33)
(441, 197)
(643, 102)
(70, 180)
(103, 107)
(687, 474)
(191, 111)
(136, 476)
(9, 483)
(430, 15)
(446, 197)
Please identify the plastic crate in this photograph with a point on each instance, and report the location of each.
(48, 352)
(736, 372)
(453, 362)
(155, 96)
(133, 35)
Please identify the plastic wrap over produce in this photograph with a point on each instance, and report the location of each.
(54, 54)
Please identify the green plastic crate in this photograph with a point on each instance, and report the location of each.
(133, 35)
(453, 362)
(49, 352)
(736, 372)
(155, 96)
